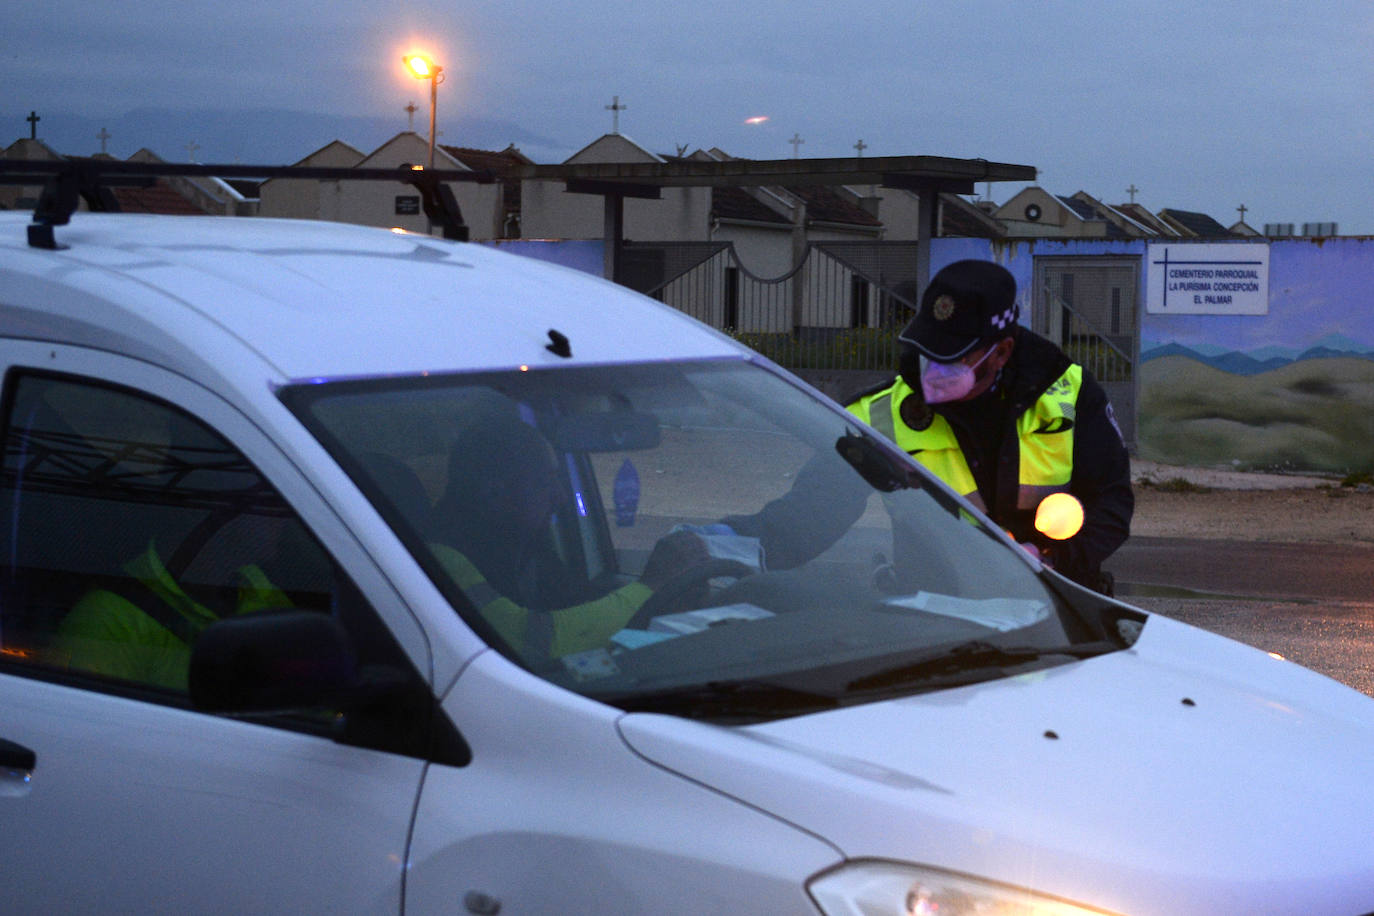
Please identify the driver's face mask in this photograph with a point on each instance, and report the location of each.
(943, 382)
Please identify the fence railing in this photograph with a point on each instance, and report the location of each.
(1087, 344)
(844, 349)
(822, 314)
(834, 311)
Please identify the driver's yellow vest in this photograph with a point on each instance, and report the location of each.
(1044, 433)
(543, 634)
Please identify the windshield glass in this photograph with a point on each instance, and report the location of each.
(646, 531)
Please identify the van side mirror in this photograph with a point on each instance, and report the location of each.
(272, 661)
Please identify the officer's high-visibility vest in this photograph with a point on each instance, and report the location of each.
(1044, 432)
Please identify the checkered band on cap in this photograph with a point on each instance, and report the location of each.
(1005, 319)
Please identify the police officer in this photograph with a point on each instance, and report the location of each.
(1004, 417)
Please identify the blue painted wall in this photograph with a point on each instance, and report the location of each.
(580, 254)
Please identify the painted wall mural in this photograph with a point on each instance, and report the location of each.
(1291, 389)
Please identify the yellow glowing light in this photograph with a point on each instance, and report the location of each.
(421, 67)
(1276, 655)
(1059, 516)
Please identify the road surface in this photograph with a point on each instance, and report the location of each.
(1312, 603)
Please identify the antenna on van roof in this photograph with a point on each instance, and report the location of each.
(69, 180)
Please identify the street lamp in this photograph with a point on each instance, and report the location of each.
(424, 68)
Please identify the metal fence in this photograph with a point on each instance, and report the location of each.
(1084, 342)
(840, 308)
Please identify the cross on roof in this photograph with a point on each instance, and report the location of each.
(1132, 190)
(102, 137)
(615, 108)
(796, 142)
(33, 120)
(861, 146)
(1242, 208)
(410, 110)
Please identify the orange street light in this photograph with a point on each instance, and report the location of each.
(423, 68)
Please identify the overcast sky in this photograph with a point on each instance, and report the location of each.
(1200, 105)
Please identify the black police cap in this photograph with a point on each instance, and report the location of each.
(965, 304)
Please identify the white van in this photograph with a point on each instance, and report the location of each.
(344, 570)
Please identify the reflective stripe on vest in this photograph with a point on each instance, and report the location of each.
(1044, 433)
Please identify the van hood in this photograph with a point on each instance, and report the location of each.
(1188, 773)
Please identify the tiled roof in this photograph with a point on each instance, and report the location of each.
(1143, 216)
(736, 203)
(156, 198)
(1200, 224)
(825, 206)
(1080, 208)
(494, 161)
(245, 186)
(959, 218)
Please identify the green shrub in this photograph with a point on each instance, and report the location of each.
(847, 348)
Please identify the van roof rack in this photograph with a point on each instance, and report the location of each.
(69, 180)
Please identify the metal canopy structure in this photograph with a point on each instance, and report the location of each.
(927, 176)
(957, 176)
(68, 180)
(71, 178)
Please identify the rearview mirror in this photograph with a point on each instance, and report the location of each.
(611, 431)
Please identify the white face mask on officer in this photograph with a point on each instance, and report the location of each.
(944, 382)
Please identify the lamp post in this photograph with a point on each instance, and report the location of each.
(424, 68)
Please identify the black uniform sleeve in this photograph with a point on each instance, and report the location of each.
(1102, 482)
(825, 501)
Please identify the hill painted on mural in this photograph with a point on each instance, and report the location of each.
(1253, 362)
(1313, 415)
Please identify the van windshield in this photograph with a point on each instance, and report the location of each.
(705, 537)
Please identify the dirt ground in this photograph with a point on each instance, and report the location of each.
(1206, 503)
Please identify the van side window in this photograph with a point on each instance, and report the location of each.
(128, 527)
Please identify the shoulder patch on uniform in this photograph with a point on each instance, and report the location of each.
(916, 413)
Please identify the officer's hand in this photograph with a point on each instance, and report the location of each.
(673, 553)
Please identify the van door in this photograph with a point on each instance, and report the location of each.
(133, 509)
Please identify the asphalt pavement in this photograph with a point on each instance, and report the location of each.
(1208, 568)
(1312, 603)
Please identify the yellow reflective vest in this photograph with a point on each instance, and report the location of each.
(539, 635)
(145, 634)
(1044, 432)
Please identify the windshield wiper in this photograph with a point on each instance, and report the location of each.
(753, 701)
(971, 661)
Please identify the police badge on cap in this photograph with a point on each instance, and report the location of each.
(965, 304)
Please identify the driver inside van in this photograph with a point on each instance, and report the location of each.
(491, 532)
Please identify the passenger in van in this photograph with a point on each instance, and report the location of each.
(491, 533)
(142, 631)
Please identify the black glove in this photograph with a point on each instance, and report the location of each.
(674, 553)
